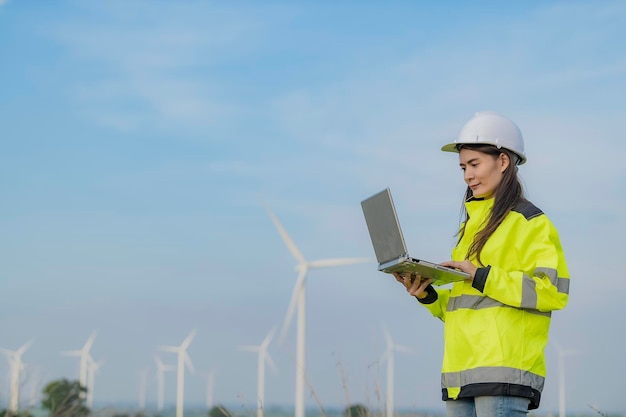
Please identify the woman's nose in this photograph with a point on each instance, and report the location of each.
(467, 175)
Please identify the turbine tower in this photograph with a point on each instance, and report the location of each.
(92, 368)
(35, 384)
(161, 369)
(561, 360)
(264, 356)
(298, 299)
(15, 361)
(83, 353)
(388, 356)
(143, 382)
(183, 359)
(210, 385)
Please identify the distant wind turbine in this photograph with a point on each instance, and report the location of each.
(210, 385)
(83, 353)
(92, 367)
(15, 361)
(561, 360)
(388, 356)
(298, 299)
(143, 382)
(183, 359)
(264, 357)
(35, 385)
(161, 369)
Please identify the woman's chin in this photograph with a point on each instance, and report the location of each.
(482, 195)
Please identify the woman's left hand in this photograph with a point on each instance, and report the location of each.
(465, 266)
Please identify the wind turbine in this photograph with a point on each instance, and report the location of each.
(36, 383)
(298, 299)
(264, 356)
(92, 368)
(161, 369)
(561, 360)
(143, 382)
(15, 361)
(388, 356)
(183, 359)
(83, 353)
(210, 384)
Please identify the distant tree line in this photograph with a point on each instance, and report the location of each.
(65, 398)
(62, 398)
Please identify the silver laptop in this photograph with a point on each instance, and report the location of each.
(388, 241)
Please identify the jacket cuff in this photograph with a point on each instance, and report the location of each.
(480, 278)
(431, 296)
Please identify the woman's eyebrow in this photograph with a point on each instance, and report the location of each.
(469, 162)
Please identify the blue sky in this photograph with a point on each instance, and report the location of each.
(138, 138)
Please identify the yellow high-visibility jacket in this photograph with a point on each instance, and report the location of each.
(496, 327)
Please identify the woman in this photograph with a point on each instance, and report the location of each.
(496, 321)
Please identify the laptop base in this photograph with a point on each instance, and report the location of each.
(440, 275)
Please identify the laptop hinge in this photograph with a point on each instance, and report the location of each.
(397, 261)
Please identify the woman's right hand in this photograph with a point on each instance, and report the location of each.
(414, 284)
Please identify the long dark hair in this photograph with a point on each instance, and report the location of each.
(507, 195)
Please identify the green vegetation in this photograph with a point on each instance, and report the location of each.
(356, 410)
(65, 398)
(7, 413)
(219, 411)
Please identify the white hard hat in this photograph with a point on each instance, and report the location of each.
(488, 127)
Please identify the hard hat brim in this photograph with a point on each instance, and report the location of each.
(454, 147)
(450, 147)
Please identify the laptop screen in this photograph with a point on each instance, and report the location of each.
(383, 226)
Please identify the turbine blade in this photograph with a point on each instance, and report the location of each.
(187, 360)
(324, 263)
(161, 367)
(24, 347)
(158, 361)
(268, 338)
(95, 366)
(286, 238)
(188, 339)
(174, 349)
(292, 304)
(271, 363)
(89, 342)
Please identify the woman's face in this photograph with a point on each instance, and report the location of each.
(482, 172)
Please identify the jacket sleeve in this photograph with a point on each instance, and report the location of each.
(436, 301)
(543, 281)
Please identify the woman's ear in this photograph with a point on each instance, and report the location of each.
(505, 161)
